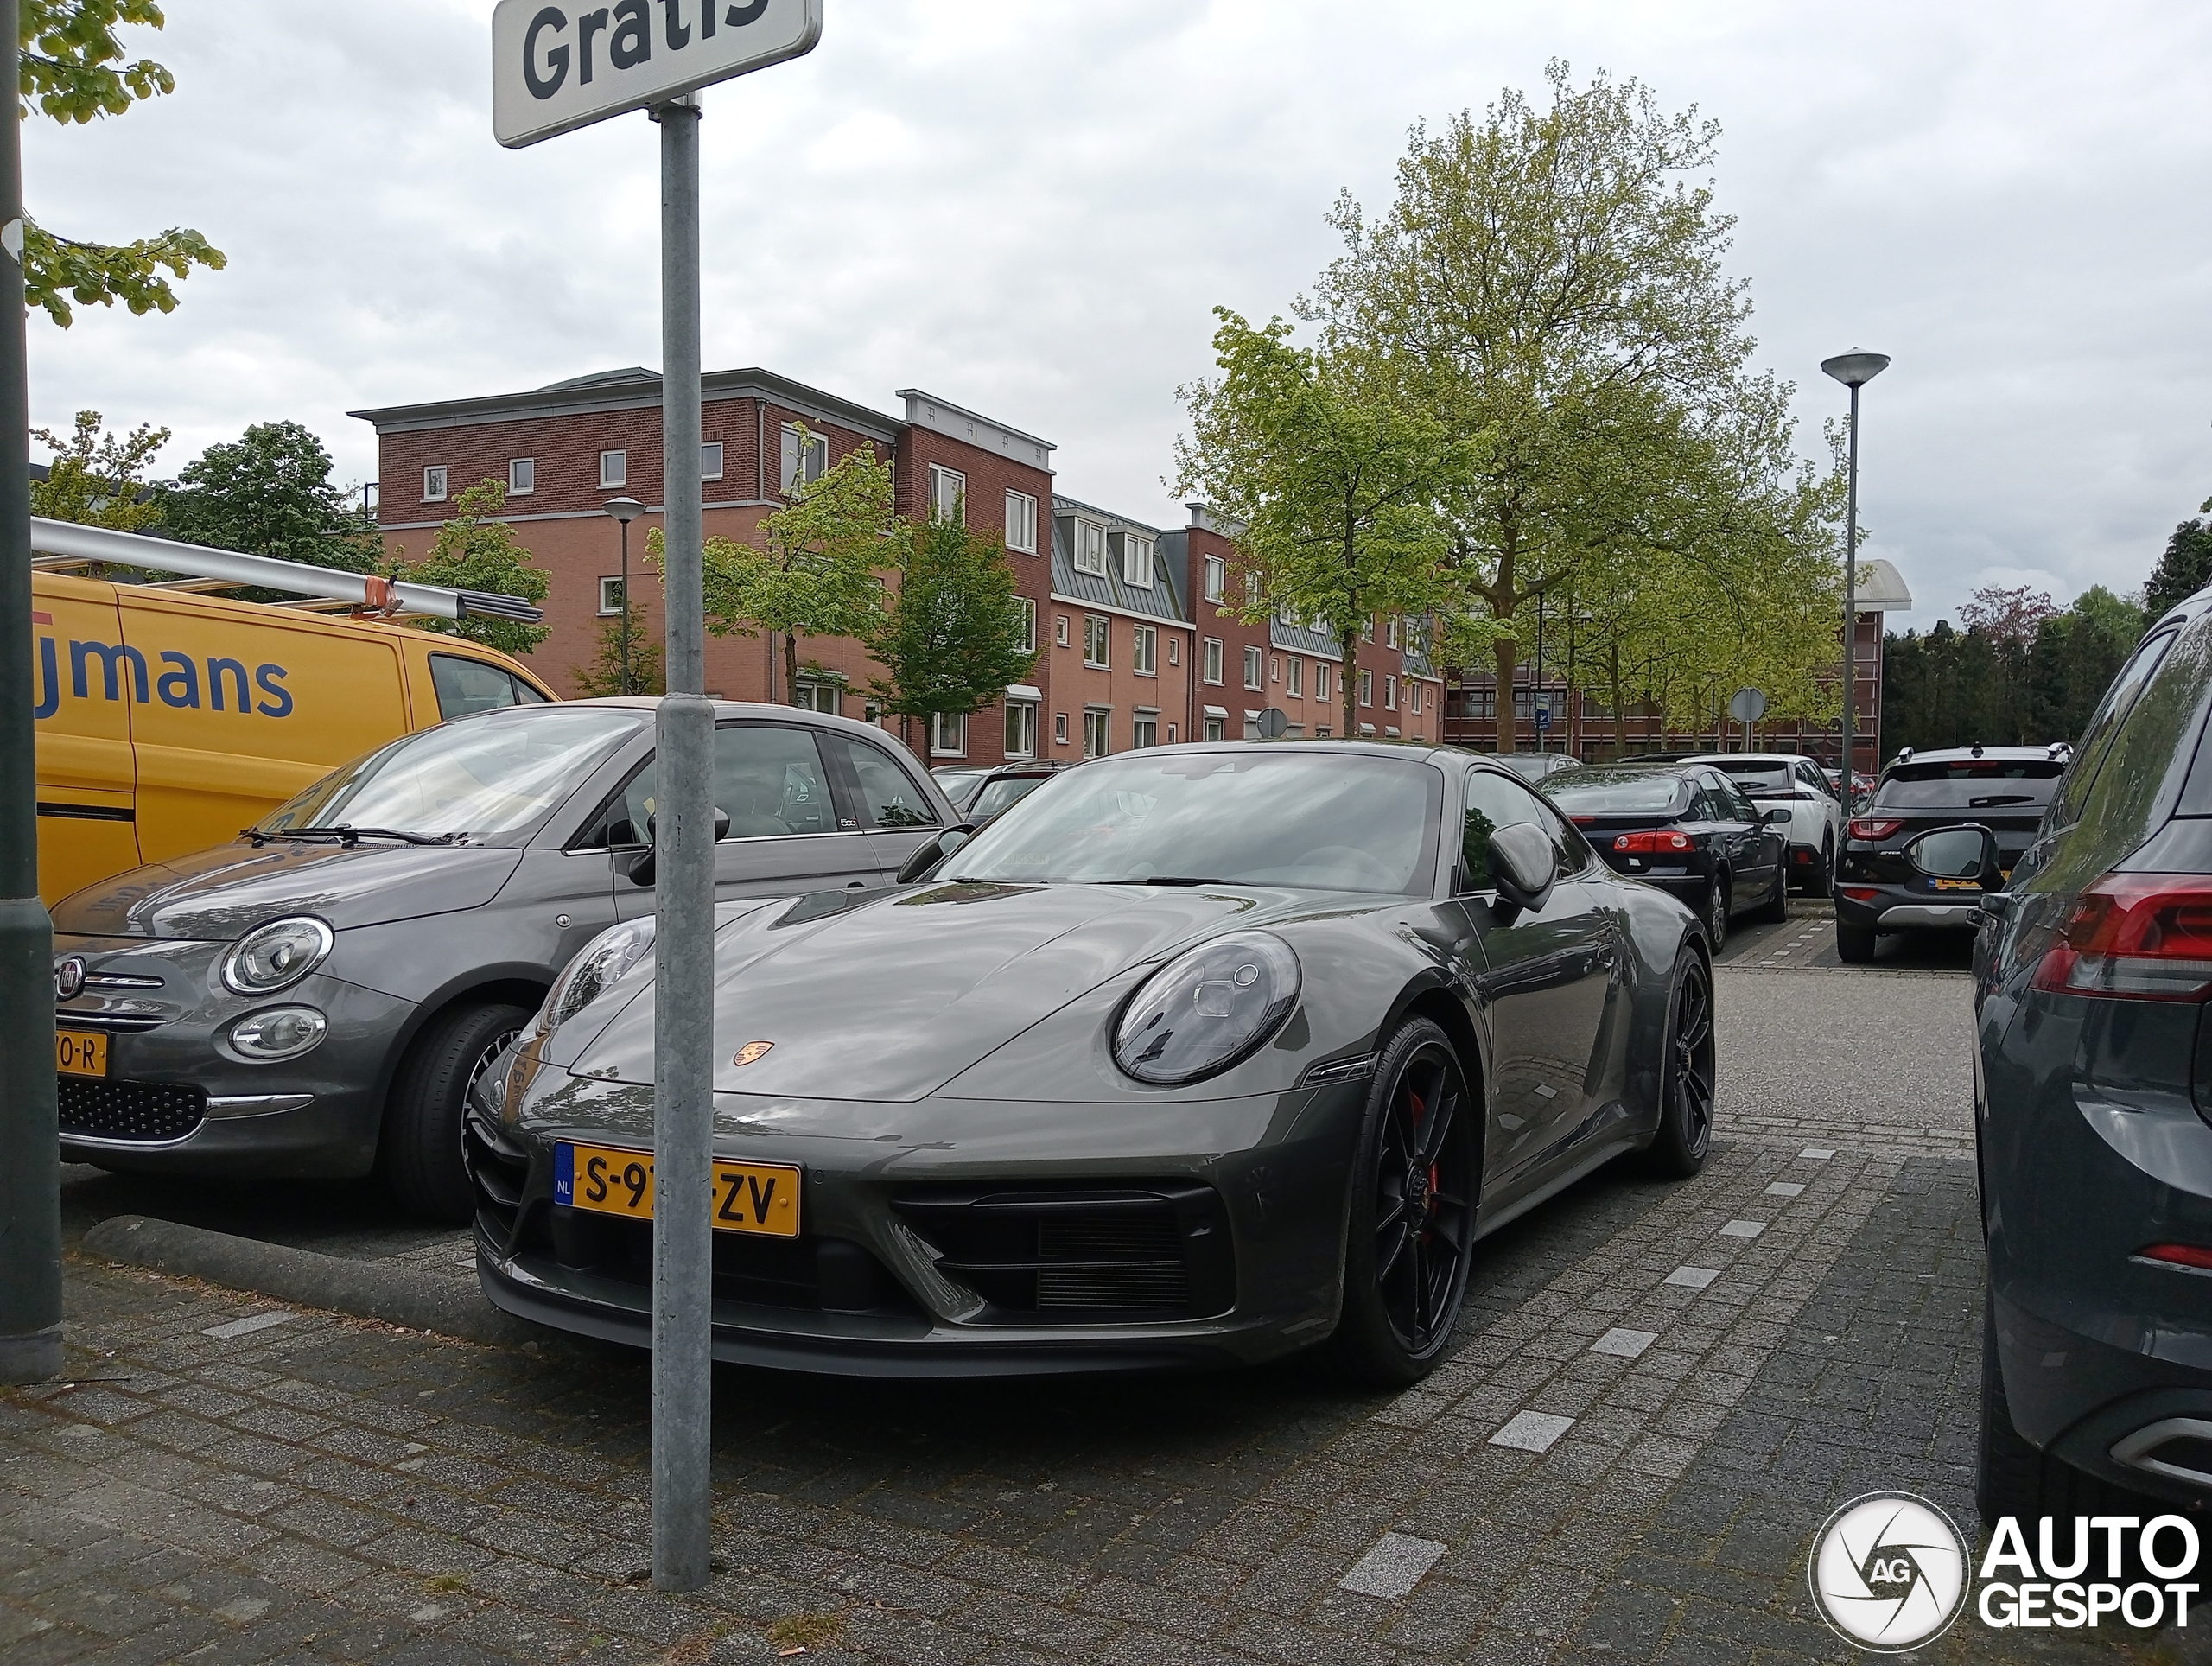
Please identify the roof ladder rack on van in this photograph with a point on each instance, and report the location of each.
(62, 544)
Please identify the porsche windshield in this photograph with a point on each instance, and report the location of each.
(478, 778)
(1279, 816)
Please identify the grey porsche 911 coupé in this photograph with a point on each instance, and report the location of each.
(1199, 1055)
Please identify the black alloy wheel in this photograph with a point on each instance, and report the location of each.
(1687, 1078)
(1716, 912)
(1413, 1211)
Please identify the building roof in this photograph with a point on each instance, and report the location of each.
(1881, 588)
(943, 416)
(631, 388)
(1162, 601)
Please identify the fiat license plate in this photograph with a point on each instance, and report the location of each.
(757, 1198)
(79, 1053)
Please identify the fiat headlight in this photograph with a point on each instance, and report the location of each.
(275, 956)
(598, 966)
(1206, 1010)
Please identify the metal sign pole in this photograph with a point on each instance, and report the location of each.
(682, 1425)
(31, 1187)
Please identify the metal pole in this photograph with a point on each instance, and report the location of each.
(1850, 598)
(683, 1429)
(31, 1187)
(626, 607)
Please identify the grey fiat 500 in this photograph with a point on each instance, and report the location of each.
(315, 999)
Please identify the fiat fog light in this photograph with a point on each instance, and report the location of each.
(275, 956)
(280, 1033)
(1208, 1009)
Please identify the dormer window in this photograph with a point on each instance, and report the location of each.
(1136, 561)
(1091, 547)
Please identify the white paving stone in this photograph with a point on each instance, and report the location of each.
(1624, 1344)
(1785, 1189)
(1532, 1431)
(250, 1323)
(1743, 1229)
(1817, 1154)
(1693, 1278)
(1394, 1564)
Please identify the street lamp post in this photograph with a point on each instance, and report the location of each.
(625, 509)
(1854, 371)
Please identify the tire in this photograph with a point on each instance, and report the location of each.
(418, 1155)
(1775, 911)
(1686, 1075)
(1823, 878)
(1716, 915)
(1410, 1230)
(2013, 1478)
(1854, 944)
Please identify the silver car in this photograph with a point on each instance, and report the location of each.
(315, 999)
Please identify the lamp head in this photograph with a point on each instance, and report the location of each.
(1856, 369)
(625, 509)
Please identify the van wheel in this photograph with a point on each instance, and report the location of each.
(419, 1154)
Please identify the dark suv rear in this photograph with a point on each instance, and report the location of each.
(1884, 883)
(2093, 1008)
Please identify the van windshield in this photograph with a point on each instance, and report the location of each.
(478, 779)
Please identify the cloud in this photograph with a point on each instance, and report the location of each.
(1030, 209)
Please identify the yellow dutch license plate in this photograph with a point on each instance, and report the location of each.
(757, 1198)
(80, 1053)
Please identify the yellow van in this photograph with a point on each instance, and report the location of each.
(166, 720)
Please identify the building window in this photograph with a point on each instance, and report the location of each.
(1217, 579)
(1367, 631)
(434, 483)
(1391, 634)
(613, 468)
(1060, 728)
(1021, 523)
(1367, 687)
(948, 494)
(710, 460)
(1413, 697)
(1390, 694)
(1209, 661)
(1295, 688)
(610, 596)
(1026, 610)
(1145, 732)
(806, 457)
(1171, 734)
(1275, 668)
(1020, 729)
(1136, 561)
(1251, 668)
(1320, 679)
(1174, 654)
(521, 476)
(1091, 547)
(949, 734)
(1094, 640)
(819, 696)
(1061, 629)
(1211, 728)
(1097, 740)
(1144, 651)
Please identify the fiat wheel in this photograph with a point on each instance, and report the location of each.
(1413, 1211)
(419, 1153)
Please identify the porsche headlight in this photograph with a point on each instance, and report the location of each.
(595, 968)
(1206, 1010)
(275, 956)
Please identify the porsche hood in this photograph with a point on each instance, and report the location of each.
(891, 997)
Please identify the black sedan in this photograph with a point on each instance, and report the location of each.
(1900, 871)
(1687, 828)
(1199, 1055)
(2094, 1116)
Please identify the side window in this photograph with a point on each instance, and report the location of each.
(888, 795)
(471, 685)
(1739, 804)
(768, 780)
(2156, 740)
(2067, 806)
(1493, 802)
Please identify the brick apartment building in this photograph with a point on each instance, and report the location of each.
(1112, 601)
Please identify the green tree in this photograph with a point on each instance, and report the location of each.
(818, 568)
(476, 551)
(270, 493)
(99, 479)
(2183, 569)
(603, 677)
(1334, 479)
(1548, 283)
(951, 639)
(74, 69)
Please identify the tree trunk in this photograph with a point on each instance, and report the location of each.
(1505, 650)
(790, 667)
(1348, 673)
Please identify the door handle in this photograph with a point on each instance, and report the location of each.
(856, 885)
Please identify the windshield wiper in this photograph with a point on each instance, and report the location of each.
(347, 836)
(2001, 799)
(1167, 878)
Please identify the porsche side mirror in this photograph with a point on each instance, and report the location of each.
(643, 866)
(1524, 866)
(922, 864)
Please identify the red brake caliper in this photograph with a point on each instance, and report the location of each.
(1421, 1110)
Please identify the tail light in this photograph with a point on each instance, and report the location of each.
(1657, 839)
(1860, 892)
(1874, 829)
(2177, 1254)
(2144, 936)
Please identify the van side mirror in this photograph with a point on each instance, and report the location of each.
(1524, 865)
(922, 864)
(643, 867)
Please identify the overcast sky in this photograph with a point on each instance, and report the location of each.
(1029, 207)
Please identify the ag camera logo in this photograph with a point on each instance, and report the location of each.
(1889, 1572)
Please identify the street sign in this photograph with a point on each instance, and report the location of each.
(1543, 712)
(1747, 705)
(554, 69)
(1274, 725)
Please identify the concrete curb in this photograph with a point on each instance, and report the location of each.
(367, 1289)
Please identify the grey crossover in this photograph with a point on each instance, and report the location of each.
(315, 999)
